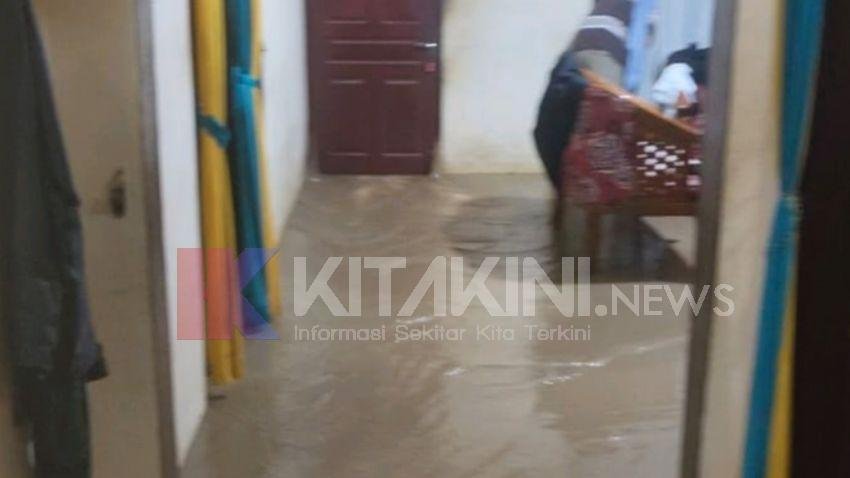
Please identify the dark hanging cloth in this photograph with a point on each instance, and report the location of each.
(821, 402)
(696, 58)
(604, 30)
(52, 347)
(558, 113)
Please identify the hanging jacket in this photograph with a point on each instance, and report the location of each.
(604, 31)
(43, 304)
(44, 300)
(558, 113)
(696, 58)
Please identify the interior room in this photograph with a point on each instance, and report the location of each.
(397, 238)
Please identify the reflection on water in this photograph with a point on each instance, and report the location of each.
(608, 406)
(503, 227)
(522, 227)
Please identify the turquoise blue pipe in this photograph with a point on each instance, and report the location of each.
(803, 26)
(244, 163)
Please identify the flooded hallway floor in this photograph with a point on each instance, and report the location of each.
(606, 405)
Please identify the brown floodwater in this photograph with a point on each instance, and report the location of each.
(607, 402)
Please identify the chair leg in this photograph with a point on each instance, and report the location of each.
(573, 240)
(592, 234)
(579, 231)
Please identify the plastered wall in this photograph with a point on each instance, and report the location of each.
(497, 56)
(181, 227)
(284, 84)
(286, 105)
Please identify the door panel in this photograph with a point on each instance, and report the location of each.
(349, 131)
(400, 104)
(374, 85)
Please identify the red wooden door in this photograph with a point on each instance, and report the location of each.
(374, 67)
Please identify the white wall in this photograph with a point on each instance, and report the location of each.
(285, 91)
(286, 105)
(497, 55)
(678, 24)
(178, 170)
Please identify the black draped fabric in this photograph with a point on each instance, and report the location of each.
(821, 418)
(696, 58)
(605, 29)
(558, 114)
(51, 343)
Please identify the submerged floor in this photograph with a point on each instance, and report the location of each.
(484, 406)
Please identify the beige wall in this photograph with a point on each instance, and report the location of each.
(497, 55)
(749, 194)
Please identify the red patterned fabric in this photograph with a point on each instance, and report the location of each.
(619, 152)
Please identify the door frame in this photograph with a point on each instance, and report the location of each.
(155, 253)
(714, 155)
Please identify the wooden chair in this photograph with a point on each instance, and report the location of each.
(624, 158)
